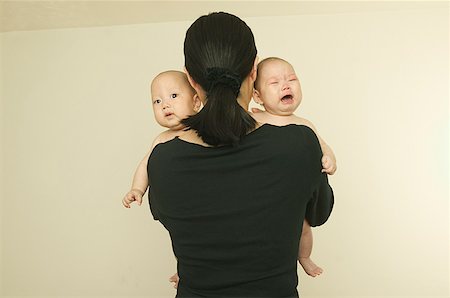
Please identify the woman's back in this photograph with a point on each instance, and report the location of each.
(235, 214)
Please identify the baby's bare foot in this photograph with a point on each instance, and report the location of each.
(310, 267)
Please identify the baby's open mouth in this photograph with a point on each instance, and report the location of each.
(287, 98)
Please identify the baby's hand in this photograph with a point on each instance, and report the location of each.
(131, 196)
(175, 279)
(329, 165)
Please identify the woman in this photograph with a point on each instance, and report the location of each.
(233, 193)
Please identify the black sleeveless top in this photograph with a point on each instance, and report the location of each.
(235, 214)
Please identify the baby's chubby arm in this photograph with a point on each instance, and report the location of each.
(328, 158)
(140, 179)
(139, 185)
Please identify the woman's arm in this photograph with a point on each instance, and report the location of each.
(321, 204)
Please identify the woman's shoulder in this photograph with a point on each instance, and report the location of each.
(293, 133)
(166, 136)
(305, 122)
(180, 143)
(191, 137)
(295, 128)
(265, 133)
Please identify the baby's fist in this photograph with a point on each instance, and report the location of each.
(175, 280)
(131, 196)
(328, 165)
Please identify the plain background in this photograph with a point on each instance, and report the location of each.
(76, 119)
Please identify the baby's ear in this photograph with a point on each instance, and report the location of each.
(197, 103)
(257, 97)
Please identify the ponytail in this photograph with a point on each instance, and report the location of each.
(219, 52)
(222, 121)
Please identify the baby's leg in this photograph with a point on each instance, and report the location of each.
(305, 249)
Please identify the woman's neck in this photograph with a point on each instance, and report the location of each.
(245, 93)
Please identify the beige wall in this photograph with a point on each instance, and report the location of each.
(76, 120)
(2, 194)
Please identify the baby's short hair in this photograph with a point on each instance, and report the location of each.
(178, 73)
(261, 65)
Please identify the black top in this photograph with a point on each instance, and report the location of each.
(235, 214)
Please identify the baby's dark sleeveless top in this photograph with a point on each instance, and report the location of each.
(235, 214)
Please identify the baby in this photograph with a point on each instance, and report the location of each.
(278, 90)
(173, 99)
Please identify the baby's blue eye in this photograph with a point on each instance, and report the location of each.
(173, 95)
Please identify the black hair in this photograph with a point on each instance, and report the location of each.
(220, 51)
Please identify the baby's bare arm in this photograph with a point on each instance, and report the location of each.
(140, 179)
(329, 159)
(139, 185)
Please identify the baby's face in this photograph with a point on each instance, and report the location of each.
(279, 88)
(173, 100)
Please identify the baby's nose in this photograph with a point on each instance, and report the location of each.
(166, 104)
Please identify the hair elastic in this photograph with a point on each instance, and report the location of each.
(222, 76)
